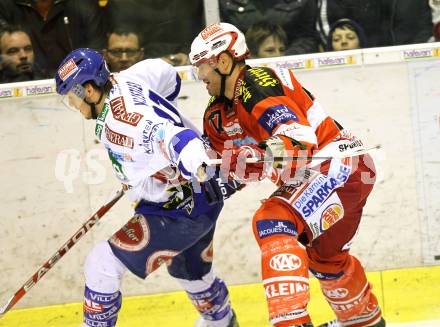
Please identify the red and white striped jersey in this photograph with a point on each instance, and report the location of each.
(268, 102)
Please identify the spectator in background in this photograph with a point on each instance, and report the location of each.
(123, 49)
(295, 16)
(385, 22)
(56, 27)
(437, 32)
(435, 10)
(345, 34)
(367, 13)
(407, 21)
(266, 40)
(16, 56)
(166, 27)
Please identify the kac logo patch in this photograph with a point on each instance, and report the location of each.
(285, 262)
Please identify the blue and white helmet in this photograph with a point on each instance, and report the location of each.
(80, 66)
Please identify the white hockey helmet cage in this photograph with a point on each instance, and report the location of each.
(214, 40)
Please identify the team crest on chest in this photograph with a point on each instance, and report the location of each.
(233, 128)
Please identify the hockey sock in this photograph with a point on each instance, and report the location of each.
(286, 283)
(351, 298)
(210, 297)
(103, 273)
(101, 309)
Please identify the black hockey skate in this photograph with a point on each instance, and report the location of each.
(233, 322)
(335, 323)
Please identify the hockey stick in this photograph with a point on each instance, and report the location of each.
(60, 253)
(347, 154)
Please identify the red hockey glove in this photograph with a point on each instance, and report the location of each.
(242, 171)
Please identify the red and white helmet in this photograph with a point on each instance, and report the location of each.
(214, 40)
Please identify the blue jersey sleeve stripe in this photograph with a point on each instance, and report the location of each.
(181, 139)
(173, 95)
(183, 170)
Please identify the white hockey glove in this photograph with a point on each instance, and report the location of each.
(277, 145)
(192, 161)
(183, 147)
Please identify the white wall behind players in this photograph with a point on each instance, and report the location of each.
(396, 105)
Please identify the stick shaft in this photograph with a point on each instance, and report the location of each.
(60, 253)
(213, 162)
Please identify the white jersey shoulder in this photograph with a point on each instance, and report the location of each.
(130, 125)
(157, 75)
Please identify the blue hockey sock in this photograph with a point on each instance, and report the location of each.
(213, 302)
(100, 309)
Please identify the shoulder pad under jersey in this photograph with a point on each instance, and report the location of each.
(212, 102)
(258, 84)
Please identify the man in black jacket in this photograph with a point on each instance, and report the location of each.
(56, 27)
(16, 56)
(407, 21)
(166, 27)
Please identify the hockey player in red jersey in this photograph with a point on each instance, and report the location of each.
(308, 223)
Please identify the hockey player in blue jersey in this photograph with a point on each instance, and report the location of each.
(157, 154)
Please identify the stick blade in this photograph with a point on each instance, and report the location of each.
(5, 308)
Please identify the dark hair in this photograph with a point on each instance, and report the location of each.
(125, 30)
(9, 29)
(258, 32)
(351, 25)
(106, 87)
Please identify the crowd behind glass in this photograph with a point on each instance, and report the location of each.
(36, 34)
